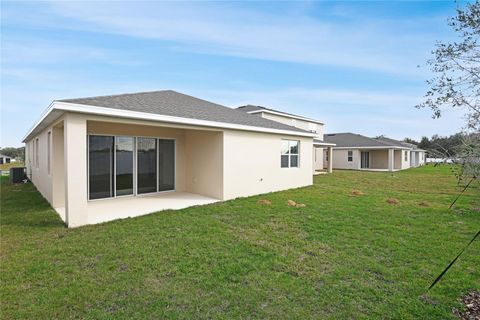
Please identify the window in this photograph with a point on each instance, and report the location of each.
(406, 155)
(350, 156)
(37, 163)
(289, 154)
(49, 151)
(326, 155)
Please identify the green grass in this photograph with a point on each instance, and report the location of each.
(341, 257)
(7, 166)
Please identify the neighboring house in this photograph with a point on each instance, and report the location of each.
(319, 146)
(103, 158)
(5, 159)
(357, 152)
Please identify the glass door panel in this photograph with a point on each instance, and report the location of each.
(123, 166)
(166, 165)
(146, 165)
(100, 167)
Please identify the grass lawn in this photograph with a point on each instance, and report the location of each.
(7, 166)
(340, 257)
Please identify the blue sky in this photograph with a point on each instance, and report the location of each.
(352, 65)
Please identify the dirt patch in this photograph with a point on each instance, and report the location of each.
(355, 193)
(424, 204)
(264, 202)
(291, 203)
(392, 201)
(471, 304)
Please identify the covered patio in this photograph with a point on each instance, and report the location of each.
(381, 159)
(129, 168)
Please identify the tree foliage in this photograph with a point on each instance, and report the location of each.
(17, 153)
(456, 68)
(456, 83)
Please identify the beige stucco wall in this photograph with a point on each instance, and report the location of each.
(301, 124)
(252, 164)
(340, 159)
(378, 159)
(204, 163)
(40, 177)
(220, 164)
(318, 158)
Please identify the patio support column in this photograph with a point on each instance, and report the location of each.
(391, 160)
(75, 165)
(330, 159)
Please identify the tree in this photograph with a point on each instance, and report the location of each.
(456, 84)
(17, 153)
(456, 67)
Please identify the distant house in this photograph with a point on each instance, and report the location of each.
(357, 152)
(102, 158)
(5, 159)
(320, 147)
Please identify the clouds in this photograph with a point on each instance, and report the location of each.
(371, 43)
(352, 65)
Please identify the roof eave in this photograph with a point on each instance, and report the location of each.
(285, 115)
(88, 109)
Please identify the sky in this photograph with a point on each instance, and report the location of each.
(357, 66)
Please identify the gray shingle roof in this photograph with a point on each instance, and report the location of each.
(172, 103)
(353, 140)
(249, 108)
(397, 142)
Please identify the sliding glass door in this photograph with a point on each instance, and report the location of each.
(365, 160)
(166, 165)
(146, 165)
(123, 166)
(100, 159)
(116, 164)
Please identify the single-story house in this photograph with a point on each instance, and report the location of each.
(5, 159)
(102, 158)
(317, 127)
(357, 152)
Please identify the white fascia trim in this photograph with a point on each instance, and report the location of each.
(42, 117)
(386, 147)
(73, 107)
(324, 144)
(285, 115)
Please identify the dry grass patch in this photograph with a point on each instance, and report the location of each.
(392, 201)
(264, 202)
(291, 203)
(424, 204)
(355, 193)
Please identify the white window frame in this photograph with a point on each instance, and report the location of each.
(290, 154)
(350, 156)
(406, 156)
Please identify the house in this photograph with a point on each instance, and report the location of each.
(5, 159)
(357, 152)
(320, 147)
(102, 158)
